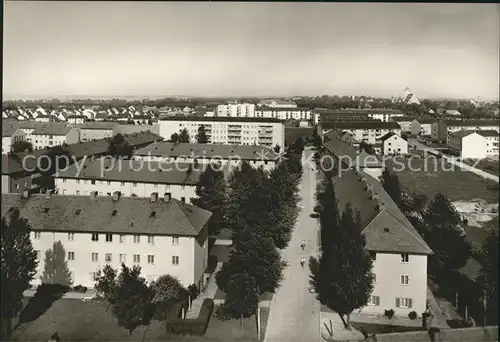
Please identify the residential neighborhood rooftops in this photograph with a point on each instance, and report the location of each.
(97, 125)
(53, 129)
(220, 119)
(244, 152)
(363, 125)
(91, 214)
(385, 227)
(426, 120)
(9, 129)
(474, 122)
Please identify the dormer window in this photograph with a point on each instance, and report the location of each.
(78, 211)
(114, 212)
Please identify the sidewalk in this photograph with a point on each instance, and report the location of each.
(209, 292)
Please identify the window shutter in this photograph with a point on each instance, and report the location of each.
(409, 302)
(397, 302)
(402, 279)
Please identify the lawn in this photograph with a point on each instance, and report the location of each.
(75, 320)
(430, 177)
(487, 165)
(292, 133)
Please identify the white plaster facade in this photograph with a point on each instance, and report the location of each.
(179, 256)
(72, 186)
(371, 135)
(236, 110)
(394, 145)
(385, 116)
(44, 140)
(266, 164)
(300, 114)
(473, 145)
(235, 132)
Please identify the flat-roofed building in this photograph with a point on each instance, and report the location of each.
(228, 130)
(96, 130)
(442, 128)
(54, 135)
(365, 131)
(299, 114)
(422, 126)
(160, 234)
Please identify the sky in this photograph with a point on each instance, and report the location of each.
(151, 49)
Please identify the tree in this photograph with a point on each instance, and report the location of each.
(184, 136)
(119, 147)
(22, 146)
(442, 232)
(106, 284)
(201, 137)
(132, 300)
(259, 257)
(55, 269)
(488, 278)
(342, 278)
(391, 185)
(298, 146)
(18, 268)
(174, 138)
(167, 291)
(211, 191)
(242, 296)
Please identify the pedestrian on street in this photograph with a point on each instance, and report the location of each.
(303, 244)
(302, 262)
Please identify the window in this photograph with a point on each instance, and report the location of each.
(95, 237)
(109, 183)
(95, 257)
(405, 257)
(77, 181)
(155, 185)
(77, 192)
(405, 280)
(151, 259)
(109, 237)
(175, 260)
(122, 258)
(93, 276)
(84, 181)
(37, 235)
(92, 182)
(374, 300)
(134, 184)
(137, 238)
(137, 258)
(108, 257)
(78, 211)
(183, 187)
(175, 240)
(183, 199)
(151, 240)
(109, 194)
(71, 255)
(122, 238)
(403, 302)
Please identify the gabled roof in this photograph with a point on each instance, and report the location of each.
(488, 133)
(462, 133)
(385, 227)
(476, 122)
(53, 129)
(244, 152)
(9, 129)
(97, 125)
(387, 136)
(375, 124)
(426, 120)
(133, 215)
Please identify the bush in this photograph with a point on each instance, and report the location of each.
(389, 313)
(314, 215)
(177, 326)
(211, 264)
(80, 288)
(317, 208)
(412, 315)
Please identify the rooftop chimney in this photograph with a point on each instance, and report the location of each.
(167, 197)
(93, 194)
(154, 197)
(116, 196)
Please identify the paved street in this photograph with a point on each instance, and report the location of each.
(294, 312)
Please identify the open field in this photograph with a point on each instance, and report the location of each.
(75, 320)
(431, 176)
(292, 133)
(487, 165)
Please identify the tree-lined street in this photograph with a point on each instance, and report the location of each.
(294, 312)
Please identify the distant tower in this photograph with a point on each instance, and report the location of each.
(410, 97)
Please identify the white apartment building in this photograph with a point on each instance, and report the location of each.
(232, 155)
(96, 130)
(132, 178)
(392, 143)
(236, 110)
(399, 253)
(11, 134)
(492, 140)
(162, 235)
(385, 116)
(54, 135)
(367, 131)
(300, 114)
(442, 128)
(404, 122)
(422, 126)
(473, 144)
(233, 131)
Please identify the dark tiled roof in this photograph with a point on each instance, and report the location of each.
(280, 109)
(404, 118)
(385, 227)
(386, 136)
(97, 125)
(8, 129)
(488, 133)
(133, 171)
(363, 125)
(168, 149)
(472, 122)
(342, 150)
(133, 215)
(426, 120)
(461, 133)
(220, 119)
(141, 138)
(53, 129)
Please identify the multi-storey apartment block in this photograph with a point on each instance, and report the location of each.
(96, 130)
(54, 135)
(233, 155)
(404, 122)
(236, 110)
(474, 144)
(368, 131)
(442, 128)
(160, 234)
(10, 135)
(132, 178)
(399, 253)
(391, 143)
(422, 126)
(300, 114)
(228, 130)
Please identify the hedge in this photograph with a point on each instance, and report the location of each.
(178, 326)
